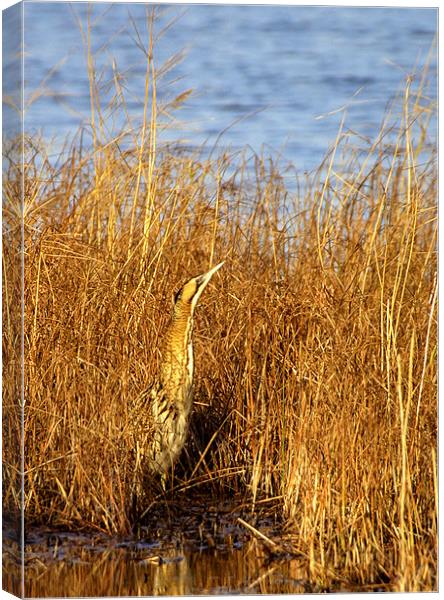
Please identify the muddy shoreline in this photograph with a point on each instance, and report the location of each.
(198, 548)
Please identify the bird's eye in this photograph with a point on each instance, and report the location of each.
(177, 296)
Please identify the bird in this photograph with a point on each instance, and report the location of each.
(169, 400)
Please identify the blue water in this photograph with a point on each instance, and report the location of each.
(263, 75)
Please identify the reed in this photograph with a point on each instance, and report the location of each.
(316, 370)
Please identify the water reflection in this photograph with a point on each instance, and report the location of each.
(88, 570)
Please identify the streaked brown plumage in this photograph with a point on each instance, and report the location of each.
(170, 399)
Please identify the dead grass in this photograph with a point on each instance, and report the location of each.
(316, 371)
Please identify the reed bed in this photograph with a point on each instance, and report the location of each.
(315, 345)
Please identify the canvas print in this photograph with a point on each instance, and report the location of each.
(219, 299)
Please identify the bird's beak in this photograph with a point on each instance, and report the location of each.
(212, 271)
(202, 280)
(205, 278)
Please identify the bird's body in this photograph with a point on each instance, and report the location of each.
(170, 399)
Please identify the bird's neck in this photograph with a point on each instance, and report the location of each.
(178, 351)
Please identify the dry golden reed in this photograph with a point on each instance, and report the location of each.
(316, 344)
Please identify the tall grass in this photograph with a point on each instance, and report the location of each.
(316, 371)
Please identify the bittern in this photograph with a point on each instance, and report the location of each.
(170, 399)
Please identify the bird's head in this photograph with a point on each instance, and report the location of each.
(191, 291)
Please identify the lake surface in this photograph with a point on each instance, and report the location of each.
(263, 75)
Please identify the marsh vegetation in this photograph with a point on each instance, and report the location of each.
(315, 347)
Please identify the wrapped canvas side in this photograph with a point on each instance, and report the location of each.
(12, 290)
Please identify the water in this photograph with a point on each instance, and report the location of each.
(63, 564)
(87, 569)
(263, 75)
(201, 547)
